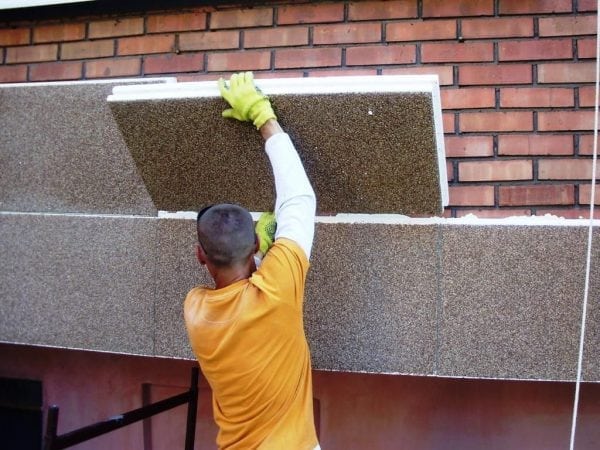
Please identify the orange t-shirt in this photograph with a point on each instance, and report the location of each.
(250, 343)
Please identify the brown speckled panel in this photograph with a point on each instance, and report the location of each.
(61, 151)
(591, 351)
(78, 282)
(371, 298)
(511, 301)
(365, 153)
(179, 272)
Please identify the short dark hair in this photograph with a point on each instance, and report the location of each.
(226, 234)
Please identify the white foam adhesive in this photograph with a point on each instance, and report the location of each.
(398, 219)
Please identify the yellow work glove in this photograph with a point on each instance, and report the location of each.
(246, 101)
(265, 229)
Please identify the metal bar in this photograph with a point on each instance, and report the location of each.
(119, 421)
(51, 426)
(190, 429)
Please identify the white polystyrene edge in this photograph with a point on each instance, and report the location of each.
(13, 4)
(399, 219)
(278, 86)
(438, 124)
(151, 81)
(450, 376)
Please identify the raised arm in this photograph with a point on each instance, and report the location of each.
(295, 202)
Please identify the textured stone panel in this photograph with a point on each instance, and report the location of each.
(591, 350)
(371, 298)
(511, 301)
(179, 271)
(371, 153)
(78, 282)
(61, 151)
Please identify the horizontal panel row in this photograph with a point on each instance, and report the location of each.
(65, 149)
(448, 300)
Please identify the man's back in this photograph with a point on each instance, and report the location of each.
(249, 340)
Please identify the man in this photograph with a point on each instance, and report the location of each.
(247, 332)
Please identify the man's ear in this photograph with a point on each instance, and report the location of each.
(200, 255)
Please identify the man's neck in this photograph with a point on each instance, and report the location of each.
(225, 276)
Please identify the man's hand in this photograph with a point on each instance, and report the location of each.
(265, 229)
(247, 103)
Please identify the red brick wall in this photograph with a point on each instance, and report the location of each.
(517, 76)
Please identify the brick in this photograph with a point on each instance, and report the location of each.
(31, 53)
(14, 36)
(241, 18)
(60, 32)
(341, 72)
(565, 120)
(535, 144)
(106, 68)
(420, 30)
(374, 55)
(276, 37)
(347, 33)
(141, 45)
(163, 23)
(308, 57)
(449, 171)
(174, 63)
(585, 194)
(582, 72)
(495, 170)
(496, 121)
(448, 122)
(537, 97)
(586, 144)
(87, 49)
(234, 61)
(587, 5)
(567, 25)
(586, 48)
(468, 98)
(534, 6)
(445, 73)
(211, 40)
(496, 213)
(442, 8)
(119, 27)
(53, 71)
(457, 52)
(495, 74)
(398, 9)
(13, 74)
(563, 194)
(535, 49)
(587, 96)
(471, 195)
(310, 13)
(497, 27)
(566, 169)
(469, 146)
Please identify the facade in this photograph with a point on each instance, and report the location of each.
(517, 85)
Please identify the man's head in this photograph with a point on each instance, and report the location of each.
(225, 235)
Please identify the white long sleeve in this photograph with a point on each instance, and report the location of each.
(295, 205)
